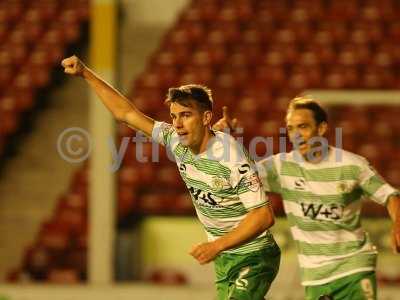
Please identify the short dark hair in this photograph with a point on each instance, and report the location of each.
(307, 102)
(200, 94)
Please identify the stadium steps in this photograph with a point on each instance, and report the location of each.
(34, 179)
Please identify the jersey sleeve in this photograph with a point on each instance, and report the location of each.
(164, 134)
(373, 185)
(269, 175)
(245, 179)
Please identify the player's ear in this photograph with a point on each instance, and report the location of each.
(207, 116)
(322, 128)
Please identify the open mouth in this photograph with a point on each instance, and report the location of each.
(302, 143)
(182, 134)
(299, 143)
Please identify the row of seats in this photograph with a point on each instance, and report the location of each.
(299, 11)
(273, 78)
(190, 35)
(384, 55)
(33, 40)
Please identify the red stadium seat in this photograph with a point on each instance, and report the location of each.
(298, 81)
(377, 78)
(71, 26)
(73, 201)
(77, 260)
(335, 79)
(178, 38)
(129, 175)
(48, 10)
(126, 201)
(166, 59)
(348, 57)
(54, 236)
(6, 75)
(181, 204)
(393, 176)
(63, 276)
(394, 30)
(167, 277)
(326, 53)
(209, 11)
(37, 262)
(192, 15)
(154, 203)
(14, 10)
(324, 38)
(342, 10)
(9, 123)
(4, 29)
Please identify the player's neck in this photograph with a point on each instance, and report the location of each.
(202, 146)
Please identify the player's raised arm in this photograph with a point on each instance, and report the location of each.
(122, 109)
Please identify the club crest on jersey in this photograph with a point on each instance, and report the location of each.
(343, 187)
(219, 183)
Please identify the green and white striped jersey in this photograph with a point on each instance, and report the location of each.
(322, 202)
(222, 182)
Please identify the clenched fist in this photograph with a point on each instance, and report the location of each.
(205, 252)
(73, 65)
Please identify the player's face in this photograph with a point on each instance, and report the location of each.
(188, 123)
(301, 127)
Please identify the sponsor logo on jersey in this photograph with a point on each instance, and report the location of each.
(300, 184)
(202, 198)
(182, 168)
(322, 211)
(243, 169)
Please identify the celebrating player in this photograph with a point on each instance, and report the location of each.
(322, 187)
(223, 185)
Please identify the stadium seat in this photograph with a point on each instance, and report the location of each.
(37, 262)
(167, 277)
(63, 276)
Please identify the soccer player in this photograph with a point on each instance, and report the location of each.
(226, 191)
(322, 187)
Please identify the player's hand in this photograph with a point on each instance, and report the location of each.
(396, 236)
(225, 122)
(73, 66)
(205, 252)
